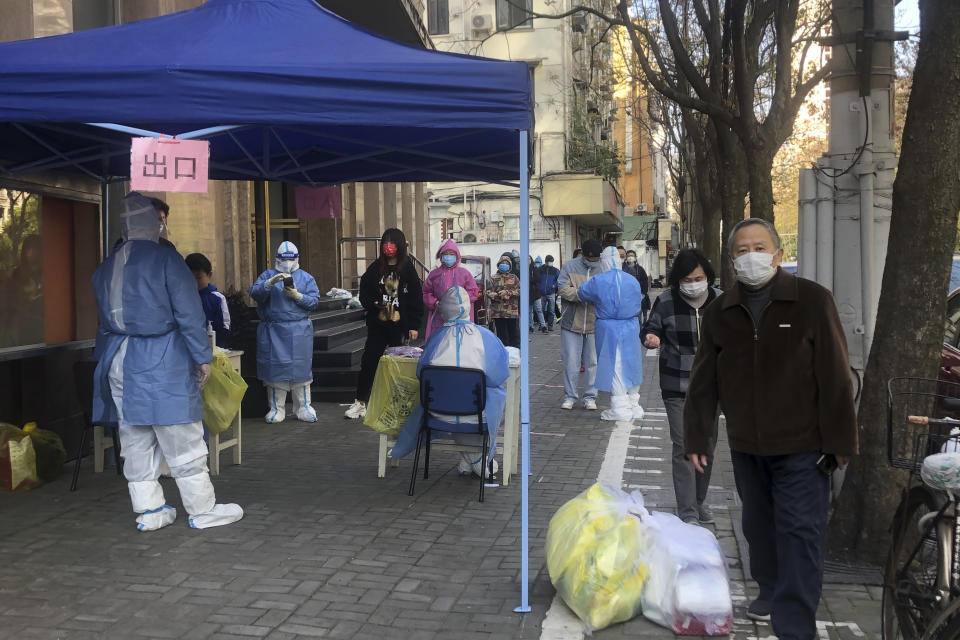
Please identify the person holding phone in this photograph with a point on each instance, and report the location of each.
(285, 297)
(773, 356)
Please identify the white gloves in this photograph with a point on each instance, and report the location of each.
(293, 294)
(274, 280)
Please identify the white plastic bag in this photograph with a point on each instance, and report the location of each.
(688, 587)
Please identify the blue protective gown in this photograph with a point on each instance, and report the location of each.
(285, 334)
(163, 323)
(497, 370)
(618, 300)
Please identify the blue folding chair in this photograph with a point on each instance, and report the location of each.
(453, 391)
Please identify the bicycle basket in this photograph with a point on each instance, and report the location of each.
(908, 444)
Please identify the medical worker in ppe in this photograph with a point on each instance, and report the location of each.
(153, 357)
(285, 296)
(461, 343)
(618, 299)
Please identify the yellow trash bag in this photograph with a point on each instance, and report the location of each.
(49, 450)
(222, 394)
(18, 461)
(395, 394)
(595, 546)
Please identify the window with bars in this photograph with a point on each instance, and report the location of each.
(438, 17)
(513, 14)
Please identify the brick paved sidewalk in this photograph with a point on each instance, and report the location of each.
(329, 550)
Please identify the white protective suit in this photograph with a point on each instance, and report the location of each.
(285, 335)
(147, 327)
(618, 302)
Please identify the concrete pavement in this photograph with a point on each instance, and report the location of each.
(329, 550)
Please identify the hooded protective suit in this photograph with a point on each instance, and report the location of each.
(618, 300)
(285, 334)
(461, 343)
(150, 343)
(439, 282)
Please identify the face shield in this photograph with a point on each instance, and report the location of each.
(288, 257)
(139, 219)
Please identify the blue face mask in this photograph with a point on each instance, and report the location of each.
(503, 268)
(448, 260)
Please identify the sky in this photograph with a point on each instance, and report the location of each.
(907, 16)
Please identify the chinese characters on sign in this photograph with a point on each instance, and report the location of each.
(167, 164)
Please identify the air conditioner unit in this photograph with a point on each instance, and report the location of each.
(482, 22)
(641, 208)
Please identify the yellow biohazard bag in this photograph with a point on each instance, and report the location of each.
(595, 549)
(395, 394)
(49, 451)
(18, 461)
(222, 394)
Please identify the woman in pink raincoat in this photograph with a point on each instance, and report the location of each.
(448, 274)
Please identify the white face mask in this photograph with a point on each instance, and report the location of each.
(693, 289)
(631, 259)
(754, 268)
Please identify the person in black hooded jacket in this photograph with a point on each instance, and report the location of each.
(392, 295)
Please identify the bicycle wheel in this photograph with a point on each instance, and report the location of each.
(947, 630)
(908, 603)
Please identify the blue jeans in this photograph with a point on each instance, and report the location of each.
(548, 305)
(785, 501)
(577, 348)
(536, 309)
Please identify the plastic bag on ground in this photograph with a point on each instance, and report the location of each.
(688, 588)
(222, 395)
(18, 461)
(595, 550)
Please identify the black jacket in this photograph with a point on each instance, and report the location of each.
(640, 274)
(409, 299)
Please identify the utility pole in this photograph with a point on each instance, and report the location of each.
(846, 201)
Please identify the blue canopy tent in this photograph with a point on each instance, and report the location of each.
(284, 90)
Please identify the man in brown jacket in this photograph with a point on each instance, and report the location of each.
(773, 356)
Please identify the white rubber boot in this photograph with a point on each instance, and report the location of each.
(277, 403)
(301, 401)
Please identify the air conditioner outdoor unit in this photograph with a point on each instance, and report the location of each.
(641, 208)
(481, 22)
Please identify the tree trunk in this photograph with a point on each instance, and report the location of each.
(733, 181)
(909, 329)
(760, 170)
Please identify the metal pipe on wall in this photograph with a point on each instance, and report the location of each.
(867, 266)
(807, 225)
(825, 230)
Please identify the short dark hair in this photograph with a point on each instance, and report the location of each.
(160, 205)
(686, 263)
(199, 262)
(549, 258)
(620, 246)
(629, 251)
(577, 252)
(592, 248)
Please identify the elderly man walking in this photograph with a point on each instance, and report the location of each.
(773, 355)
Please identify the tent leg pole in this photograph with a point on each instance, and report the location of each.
(524, 378)
(105, 219)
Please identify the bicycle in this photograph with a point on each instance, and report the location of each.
(921, 587)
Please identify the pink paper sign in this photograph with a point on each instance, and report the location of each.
(167, 164)
(318, 202)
